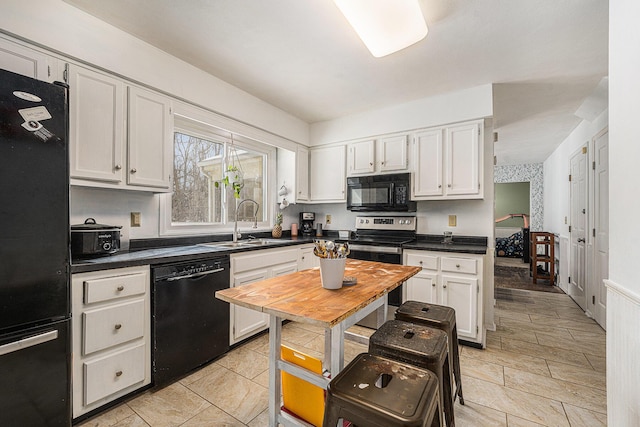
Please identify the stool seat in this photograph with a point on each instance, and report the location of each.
(441, 317)
(422, 346)
(377, 391)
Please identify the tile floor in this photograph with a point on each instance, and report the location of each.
(543, 366)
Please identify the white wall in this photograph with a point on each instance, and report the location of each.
(63, 28)
(556, 174)
(623, 293)
(467, 104)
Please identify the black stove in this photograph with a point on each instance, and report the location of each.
(380, 238)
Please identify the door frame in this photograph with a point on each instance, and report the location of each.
(578, 279)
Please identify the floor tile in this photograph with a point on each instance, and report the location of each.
(590, 326)
(474, 415)
(545, 352)
(598, 363)
(534, 327)
(513, 421)
(580, 417)
(521, 404)
(213, 416)
(486, 371)
(132, 421)
(245, 362)
(518, 315)
(169, 406)
(110, 417)
(241, 398)
(579, 375)
(582, 346)
(536, 365)
(562, 391)
(516, 333)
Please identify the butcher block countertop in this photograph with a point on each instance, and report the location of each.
(301, 297)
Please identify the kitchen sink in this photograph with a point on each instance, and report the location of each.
(246, 243)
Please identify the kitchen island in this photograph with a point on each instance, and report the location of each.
(300, 297)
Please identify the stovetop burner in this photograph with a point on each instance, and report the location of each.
(385, 230)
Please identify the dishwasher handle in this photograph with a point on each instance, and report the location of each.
(194, 275)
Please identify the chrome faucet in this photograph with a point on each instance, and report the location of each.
(236, 234)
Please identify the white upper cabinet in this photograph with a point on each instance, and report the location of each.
(392, 153)
(448, 163)
(97, 127)
(118, 141)
(327, 174)
(386, 154)
(28, 62)
(361, 157)
(150, 142)
(302, 174)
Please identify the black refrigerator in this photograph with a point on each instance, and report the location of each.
(35, 310)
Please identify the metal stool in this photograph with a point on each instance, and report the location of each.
(441, 317)
(420, 346)
(380, 392)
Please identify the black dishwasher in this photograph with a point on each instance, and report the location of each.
(190, 326)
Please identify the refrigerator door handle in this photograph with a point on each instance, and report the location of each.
(28, 342)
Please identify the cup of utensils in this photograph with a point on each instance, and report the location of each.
(333, 258)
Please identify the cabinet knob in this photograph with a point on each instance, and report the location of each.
(444, 286)
(118, 326)
(420, 262)
(120, 288)
(118, 167)
(382, 163)
(370, 163)
(449, 185)
(433, 284)
(118, 373)
(457, 265)
(303, 258)
(134, 170)
(440, 186)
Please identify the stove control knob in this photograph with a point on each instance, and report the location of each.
(106, 246)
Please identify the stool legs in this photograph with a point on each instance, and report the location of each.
(455, 359)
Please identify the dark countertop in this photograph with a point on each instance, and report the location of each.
(161, 255)
(460, 244)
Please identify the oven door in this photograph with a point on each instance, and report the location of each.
(390, 255)
(369, 196)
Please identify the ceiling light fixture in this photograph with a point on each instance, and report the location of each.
(385, 26)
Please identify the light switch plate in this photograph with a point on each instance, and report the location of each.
(453, 219)
(135, 219)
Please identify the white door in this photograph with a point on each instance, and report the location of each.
(578, 221)
(245, 321)
(393, 153)
(428, 171)
(361, 158)
(463, 154)
(601, 224)
(423, 287)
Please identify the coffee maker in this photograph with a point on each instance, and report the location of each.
(306, 222)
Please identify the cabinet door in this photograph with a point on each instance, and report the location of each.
(246, 322)
(461, 293)
(307, 259)
(361, 158)
(281, 270)
(423, 287)
(150, 141)
(302, 174)
(327, 174)
(27, 62)
(428, 168)
(463, 160)
(393, 153)
(96, 125)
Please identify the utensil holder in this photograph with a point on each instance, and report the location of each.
(332, 272)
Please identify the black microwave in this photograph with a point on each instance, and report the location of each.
(380, 193)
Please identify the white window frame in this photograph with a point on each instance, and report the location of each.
(200, 129)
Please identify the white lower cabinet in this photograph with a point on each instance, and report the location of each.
(111, 321)
(306, 258)
(451, 279)
(251, 267)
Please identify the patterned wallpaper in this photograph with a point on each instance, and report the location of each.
(532, 173)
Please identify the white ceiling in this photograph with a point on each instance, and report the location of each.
(545, 57)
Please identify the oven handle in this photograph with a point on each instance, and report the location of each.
(376, 249)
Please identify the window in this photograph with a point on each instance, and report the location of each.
(200, 201)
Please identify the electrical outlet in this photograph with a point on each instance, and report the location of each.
(453, 219)
(135, 219)
(328, 219)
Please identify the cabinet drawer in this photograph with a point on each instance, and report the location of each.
(108, 326)
(108, 288)
(425, 261)
(460, 265)
(115, 372)
(263, 259)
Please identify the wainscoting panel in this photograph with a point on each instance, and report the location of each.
(623, 348)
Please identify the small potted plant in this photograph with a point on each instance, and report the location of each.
(277, 228)
(232, 177)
